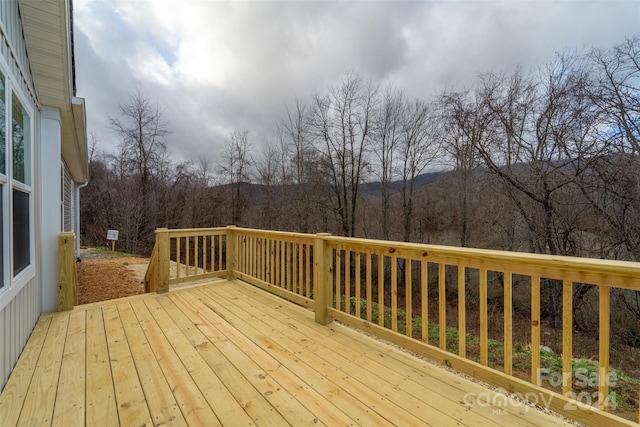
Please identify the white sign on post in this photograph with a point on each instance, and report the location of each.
(113, 236)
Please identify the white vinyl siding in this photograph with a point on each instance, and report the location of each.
(21, 295)
(16, 323)
(13, 46)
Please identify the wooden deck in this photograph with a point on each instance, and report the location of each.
(229, 354)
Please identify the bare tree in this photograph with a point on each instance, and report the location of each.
(614, 90)
(613, 188)
(300, 166)
(419, 146)
(141, 129)
(386, 136)
(268, 167)
(235, 169)
(464, 121)
(541, 141)
(342, 124)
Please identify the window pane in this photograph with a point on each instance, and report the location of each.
(21, 241)
(3, 147)
(21, 124)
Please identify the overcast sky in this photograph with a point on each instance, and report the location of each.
(217, 66)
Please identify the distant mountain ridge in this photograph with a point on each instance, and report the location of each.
(367, 188)
(372, 188)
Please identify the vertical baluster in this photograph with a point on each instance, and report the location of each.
(462, 313)
(250, 258)
(424, 295)
(178, 258)
(276, 263)
(300, 282)
(508, 323)
(204, 254)
(195, 254)
(442, 307)
(603, 342)
(241, 246)
(253, 257)
(295, 281)
(285, 265)
(484, 331)
(380, 289)
(187, 242)
(291, 262)
(270, 263)
(220, 252)
(307, 259)
(535, 330)
(265, 259)
(407, 298)
(368, 286)
(262, 245)
(357, 285)
(347, 281)
(212, 252)
(394, 293)
(338, 275)
(255, 254)
(567, 336)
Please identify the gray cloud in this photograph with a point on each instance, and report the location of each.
(219, 66)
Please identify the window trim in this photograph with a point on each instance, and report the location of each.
(18, 185)
(13, 285)
(28, 136)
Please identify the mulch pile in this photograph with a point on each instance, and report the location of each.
(101, 279)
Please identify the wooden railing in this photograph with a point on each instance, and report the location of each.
(397, 269)
(388, 289)
(185, 256)
(278, 262)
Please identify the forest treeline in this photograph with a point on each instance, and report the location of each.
(543, 160)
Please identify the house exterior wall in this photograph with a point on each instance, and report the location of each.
(51, 205)
(21, 292)
(13, 47)
(43, 159)
(17, 320)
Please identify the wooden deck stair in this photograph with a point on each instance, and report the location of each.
(229, 354)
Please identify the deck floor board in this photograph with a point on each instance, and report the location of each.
(72, 374)
(391, 402)
(228, 354)
(353, 350)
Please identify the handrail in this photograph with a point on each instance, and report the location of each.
(620, 274)
(385, 288)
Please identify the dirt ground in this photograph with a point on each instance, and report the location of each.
(103, 275)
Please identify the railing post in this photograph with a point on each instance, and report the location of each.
(67, 278)
(162, 240)
(232, 240)
(151, 275)
(323, 279)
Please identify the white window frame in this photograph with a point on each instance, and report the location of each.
(7, 262)
(13, 285)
